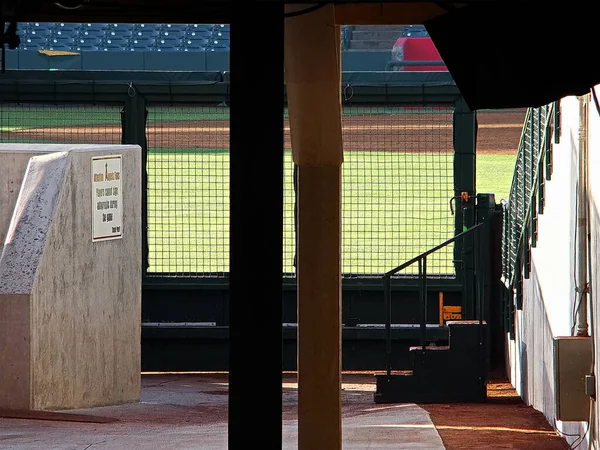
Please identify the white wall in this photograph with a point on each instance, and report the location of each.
(549, 294)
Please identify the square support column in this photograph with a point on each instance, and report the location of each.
(256, 228)
(313, 75)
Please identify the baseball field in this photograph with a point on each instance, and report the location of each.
(397, 178)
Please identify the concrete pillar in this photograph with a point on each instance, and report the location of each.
(256, 228)
(312, 64)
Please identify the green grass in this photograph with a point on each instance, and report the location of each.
(384, 221)
(18, 117)
(495, 174)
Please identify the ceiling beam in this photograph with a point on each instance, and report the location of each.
(386, 13)
(214, 11)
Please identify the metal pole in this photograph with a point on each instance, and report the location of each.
(582, 206)
(387, 298)
(422, 285)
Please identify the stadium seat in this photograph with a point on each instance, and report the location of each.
(115, 42)
(172, 27)
(68, 27)
(39, 32)
(111, 47)
(87, 42)
(141, 42)
(200, 27)
(221, 27)
(167, 42)
(86, 33)
(195, 42)
(60, 41)
(192, 49)
(33, 42)
(220, 35)
(94, 26)
(86, 48)
(59, 47)
(167, 33)
(219, 43)
(163, 48)
(205, 34)
(30, 46)
(145, 32)
(124, 32)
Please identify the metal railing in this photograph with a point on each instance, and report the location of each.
(521, 209)
(422, 277)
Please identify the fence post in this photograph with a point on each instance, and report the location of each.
(465, 138)
(133, 129)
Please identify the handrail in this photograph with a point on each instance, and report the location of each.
(422, 260)
(410, 262)
(509, 271)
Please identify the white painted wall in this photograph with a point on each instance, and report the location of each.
(549, 294)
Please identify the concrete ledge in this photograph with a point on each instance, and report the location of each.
(70, 308)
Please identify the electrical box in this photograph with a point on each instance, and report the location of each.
(572, 363)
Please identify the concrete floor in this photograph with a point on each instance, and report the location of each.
(190, 412)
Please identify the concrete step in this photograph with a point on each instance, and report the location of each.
(390, 35)
(398, 28)
(424, 389)
(372, 45)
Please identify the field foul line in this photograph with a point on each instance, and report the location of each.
(182, 129)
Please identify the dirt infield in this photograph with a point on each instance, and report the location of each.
(497, 133)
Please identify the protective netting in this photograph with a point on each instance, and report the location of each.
(397, 181)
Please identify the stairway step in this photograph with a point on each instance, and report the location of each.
(383, 35)
(430, 347)
(441, 389)
(375, 44)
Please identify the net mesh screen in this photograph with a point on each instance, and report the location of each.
(60, 124)
(397, 181)
(188, 190)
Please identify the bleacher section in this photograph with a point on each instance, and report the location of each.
(380, 37)
(123, 37)
(176, 37)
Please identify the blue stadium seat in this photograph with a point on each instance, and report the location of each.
(199, 27)
(33, 42)
(205, 34)
(221, 27)
(92, 33)
(41, 26)
(60, 41)
(195, 42)
(172, 27)
(168, 34)
(167, 42)
(164, 48)
(192, 48)
(116, 41)
(94, 26)
(87, 42)
(86, 48)
(59, 47)
(141, 42)
(220, 43)
(220, 34)
(145, 32)
(39, 32)
(124, 32)
(66, 27)
(112, 47)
